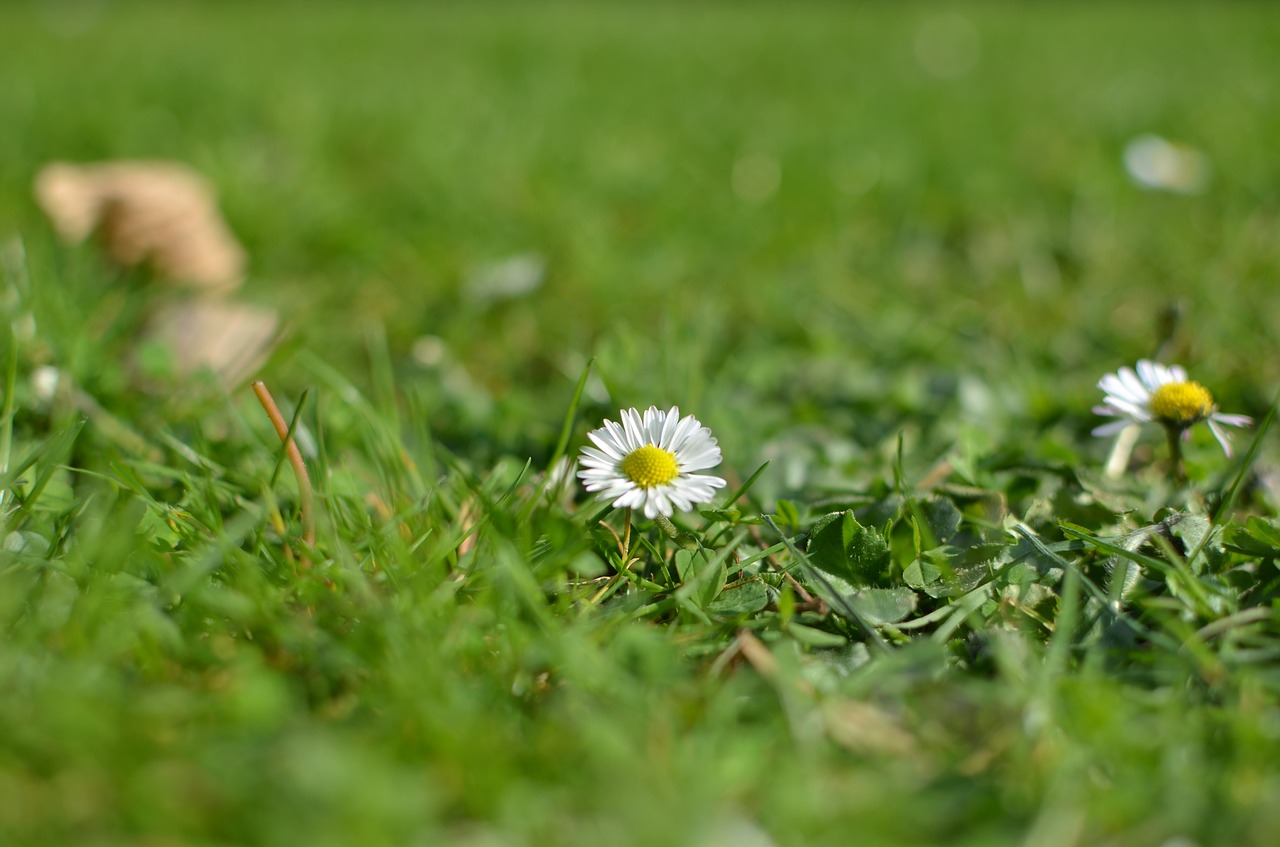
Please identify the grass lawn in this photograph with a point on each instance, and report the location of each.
(883, 251)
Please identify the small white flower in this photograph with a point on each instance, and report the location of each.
(44, 382)
(1157, 163)
(1162, 394)
(647, 462)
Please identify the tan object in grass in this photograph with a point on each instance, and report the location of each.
(162, 214)
(231, 339)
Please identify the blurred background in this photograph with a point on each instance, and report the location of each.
(815, 225)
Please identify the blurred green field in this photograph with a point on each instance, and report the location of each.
(854, 239)
(372, 156)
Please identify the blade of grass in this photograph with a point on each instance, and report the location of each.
(744, 488)
(6, 413)
(566, 430)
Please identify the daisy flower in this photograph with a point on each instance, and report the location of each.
(1163, 394)
(648, 462)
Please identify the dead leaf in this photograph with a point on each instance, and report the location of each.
(231, 339)
(161, 214)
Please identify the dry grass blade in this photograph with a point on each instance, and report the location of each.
(305, 493)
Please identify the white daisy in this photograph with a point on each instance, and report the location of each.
(1163, 394)
(648, 462)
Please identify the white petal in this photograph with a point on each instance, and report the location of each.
(633, 425)
(1151, 373)
(657, 504)
(618, 435)
(653, 421)
(1111, 428)
(694, 495)
(649, 421)
(700, 488)
(695, 460)
(630, 500)
(607, 488)
(600, 478)
(685, 433)
(1116, 387)
(593, 457)
(1124, 407)
(695, 439)
(618, 487)
(701, 463)
(1232, 420)
(1137, 385)
(671, 429)
(1220, 434)
(707, 479)
(677, 497)
(669, 426)
(606, 442)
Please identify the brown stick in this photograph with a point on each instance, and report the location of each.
(295, 459)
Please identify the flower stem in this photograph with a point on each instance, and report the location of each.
(624, 547)
(1177, 472)
(665, 524)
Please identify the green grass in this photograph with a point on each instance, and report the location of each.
(942, 273)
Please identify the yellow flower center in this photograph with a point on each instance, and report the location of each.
(650, 466)
(1181, 403)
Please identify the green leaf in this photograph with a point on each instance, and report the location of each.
(815, 637)
(841, 546)
(745, 599)
(1265, 530)
(788, 515)
(702, 577)
(786, 604)
(881, 512)
(874, 605)
(28, 543)
(921, 573)
(730, 516)
(942, 517)
(884, 605)
(1193, 531)
(587, 565)
(1259, 538)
